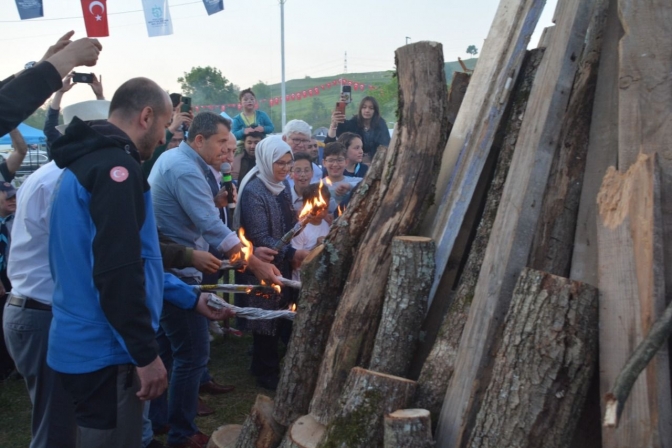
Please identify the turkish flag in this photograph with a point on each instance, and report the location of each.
(95, 18)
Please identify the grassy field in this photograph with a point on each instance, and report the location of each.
(228, 365)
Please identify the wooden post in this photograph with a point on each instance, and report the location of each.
(411, 275)
(225, 436)
(554, 238)
(438, 367)
(325, 270)
(260, 430)
(477, 122)
(367, 397)
(305, 432)
(408, 428)
(508, 249)
(409, 178)
(543, 367)
(632, 295)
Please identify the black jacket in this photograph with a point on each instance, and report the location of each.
(377, 136)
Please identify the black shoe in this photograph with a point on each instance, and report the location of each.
(269, 382)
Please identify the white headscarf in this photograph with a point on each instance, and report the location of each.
(269, 150)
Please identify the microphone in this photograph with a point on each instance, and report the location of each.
(227, 183)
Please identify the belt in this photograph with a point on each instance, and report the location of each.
(25, 302)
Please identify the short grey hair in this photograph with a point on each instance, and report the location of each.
(206, 124)
(296, 127)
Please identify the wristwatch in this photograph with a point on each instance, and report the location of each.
(30, 64)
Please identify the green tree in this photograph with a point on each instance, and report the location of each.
(472, 50)
(388, 98)
(319, 115)
(207, 85)
(38, 117)
(261, 90)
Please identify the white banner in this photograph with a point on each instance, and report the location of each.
(157, 17)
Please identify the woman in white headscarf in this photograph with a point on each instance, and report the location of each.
(265, 212)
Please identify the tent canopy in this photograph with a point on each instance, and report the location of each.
(31, 135)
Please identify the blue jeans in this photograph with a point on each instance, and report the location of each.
(186, 348)
(53, 415)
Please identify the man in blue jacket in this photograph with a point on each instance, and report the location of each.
(107, 269)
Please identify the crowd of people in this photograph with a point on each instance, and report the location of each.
(103, 248)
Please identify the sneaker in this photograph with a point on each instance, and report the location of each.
(196, 440)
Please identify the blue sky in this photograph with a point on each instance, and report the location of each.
(243, 41)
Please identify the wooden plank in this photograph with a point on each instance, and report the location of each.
(554, 238)
(632, 294)
(509, 245)
(546, 36)
(602, 151)
(471, 138)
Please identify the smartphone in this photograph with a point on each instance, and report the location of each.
(82, 77)
(186, 104)
(340, 106)
(346, 94)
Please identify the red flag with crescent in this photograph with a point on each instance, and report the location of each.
(95, 18)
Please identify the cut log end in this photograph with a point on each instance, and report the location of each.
(225, 436)
(260, 429)
(611, 412)
(409, 413)
(409, 428)
(304, 433)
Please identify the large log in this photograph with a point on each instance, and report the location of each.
(508, 249)
(408, 428)
(543, 367)
(409, 178)
(632, 295)
(260, 430)
(225, 436)
(367, 397)
(325, 270)
(305, 432)
(411, 275)
(471, 138)
(438, 367)
(554, 238)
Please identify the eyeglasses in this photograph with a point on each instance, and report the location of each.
(304, 171)
(284, 165)
(299, 141)
(332, 161)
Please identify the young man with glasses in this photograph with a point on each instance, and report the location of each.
(297, 136)
(302, 173)
(339, 184)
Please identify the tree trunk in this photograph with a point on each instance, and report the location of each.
(410, 279)
(305, 432)
(408, 428)
(509, 245)
(409, 178)
(324, 273)
(225, 436)
(632, 295)
(260, 430)
(367, 397)
(543, 368)
(438, 368)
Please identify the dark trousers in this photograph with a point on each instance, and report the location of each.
(6, 361)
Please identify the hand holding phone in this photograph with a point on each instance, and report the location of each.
(186, 104)
(340, 107)
(82, 77)
(346, 94)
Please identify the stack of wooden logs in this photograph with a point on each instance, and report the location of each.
(536, 196)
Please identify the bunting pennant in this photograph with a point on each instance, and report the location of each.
(95, 18)
(29, 9)
(157, 18)
(213, 6)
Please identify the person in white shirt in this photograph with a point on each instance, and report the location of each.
(339, 184)
(316, 229)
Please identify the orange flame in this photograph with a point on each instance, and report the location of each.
(292, 307)
(315, 205)
(275, 287)
(247, 249)
(340, 210)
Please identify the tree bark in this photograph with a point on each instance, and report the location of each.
(225, 436)
(408, 428)
(367, 397)
(410, 279)
(409, 178)
(632, 295)
(509, 246)
(324, 273)
(260, 430)
(554, 238)
(543, 367)
(438, 368)
(305, 432)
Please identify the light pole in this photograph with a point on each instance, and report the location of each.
(407, 39)
(282, 55)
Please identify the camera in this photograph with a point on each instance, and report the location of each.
(82, 77)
